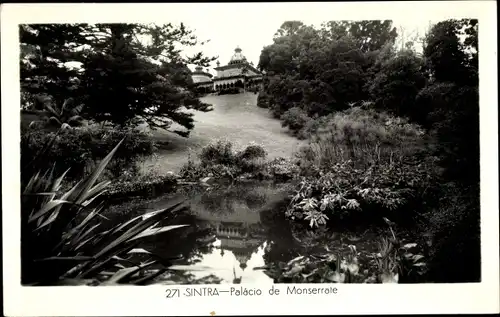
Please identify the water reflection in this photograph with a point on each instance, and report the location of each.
(234, 230)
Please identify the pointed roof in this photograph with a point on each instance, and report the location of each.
(237, 57)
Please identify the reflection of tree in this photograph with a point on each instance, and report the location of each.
(255, 200)
(224, 200)
(189, 243)
(283, 247)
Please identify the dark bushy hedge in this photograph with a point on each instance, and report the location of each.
(80, 149)
(263, 100)
(219, 159)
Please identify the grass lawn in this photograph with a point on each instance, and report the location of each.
(236, 118)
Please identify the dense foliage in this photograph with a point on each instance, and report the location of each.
(221, 160)
(79, 150)
(452, 96)
(362, 162)
(391, 132)
(321, 70)
(364, 137)
(397, 84)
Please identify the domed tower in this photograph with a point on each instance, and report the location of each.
(237, 74)
(238, 57)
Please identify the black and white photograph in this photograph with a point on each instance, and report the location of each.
(238, 146)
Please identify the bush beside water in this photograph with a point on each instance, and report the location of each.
(80, 149)
(221, 160)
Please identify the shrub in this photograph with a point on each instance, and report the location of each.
(219, 159)
(252, 151)
(311, 127)
(263, 100)
(218, 152)
(282, 168)
(294, 118)
(220, 171)
(345, 191)
(454, 235)
(397, 84)
(454, 121)
(191, 170)
(81, 149)
(143, 185)
(363, 136)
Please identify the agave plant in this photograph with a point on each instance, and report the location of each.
(60, 242)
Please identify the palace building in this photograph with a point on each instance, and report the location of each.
(238, 73)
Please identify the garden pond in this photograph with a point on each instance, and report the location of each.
(235, 233)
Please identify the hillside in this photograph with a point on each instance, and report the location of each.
(235, 117)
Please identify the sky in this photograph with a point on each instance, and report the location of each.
(251, 26)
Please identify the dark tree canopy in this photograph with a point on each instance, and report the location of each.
(43, 49)
(129, 72)
(397, 84)
(451, 59)
(452, 97)
(370, 35)
(322, 70)
(289, 28)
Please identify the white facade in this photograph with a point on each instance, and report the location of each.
(234, 72)
(237, 73)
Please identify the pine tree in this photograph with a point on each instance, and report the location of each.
(129, 72)
(44, 50)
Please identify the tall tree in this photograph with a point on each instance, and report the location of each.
(45, 50)
(451, 51)
(396, 85)
(453, 96)
(311, 71)
(289, 28)
(129, 72)
(370, 35)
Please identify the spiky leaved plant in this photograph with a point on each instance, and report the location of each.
(394, 260)
(60, 243)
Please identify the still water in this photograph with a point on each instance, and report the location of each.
(234, 231)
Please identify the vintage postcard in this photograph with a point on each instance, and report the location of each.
(250, 158)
